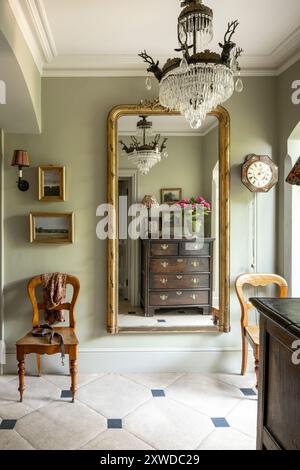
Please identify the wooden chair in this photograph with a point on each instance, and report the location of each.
(39, 345)
(250, 333)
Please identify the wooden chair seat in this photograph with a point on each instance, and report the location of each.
(38, 345)
(252, 333)
(68, 334)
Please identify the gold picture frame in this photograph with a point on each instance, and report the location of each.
(51, 227)
(52, 183)
(154, 109)
(170, 192)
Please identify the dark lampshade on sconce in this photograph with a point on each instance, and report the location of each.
(294, 176)
(20, 159)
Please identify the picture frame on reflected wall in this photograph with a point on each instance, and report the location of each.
(51, 227)
(52, 183)
(170, 195)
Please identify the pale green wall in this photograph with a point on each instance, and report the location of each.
(74, 134)
(10, 29)
(182, 169)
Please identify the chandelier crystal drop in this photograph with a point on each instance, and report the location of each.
(201, 80)
(142, 154)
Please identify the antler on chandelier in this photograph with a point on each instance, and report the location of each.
(230, 31)
(228, 44)
(154, 66)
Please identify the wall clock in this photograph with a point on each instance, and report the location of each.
(259, 173)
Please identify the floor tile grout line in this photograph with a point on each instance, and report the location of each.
(22, 437)
(78, 386)
(206, 437)
(229, 384)
(143, 440)
(244, 433)
(195, 409)
(96, 411)
(164, 388)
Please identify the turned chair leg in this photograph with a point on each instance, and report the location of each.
(244, 355)
(256, 364)
(38, 363)
(73, 371)
(21, 372)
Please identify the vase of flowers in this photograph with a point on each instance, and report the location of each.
(192, 207)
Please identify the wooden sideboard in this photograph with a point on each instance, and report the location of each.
(278, 425)
(176, 273)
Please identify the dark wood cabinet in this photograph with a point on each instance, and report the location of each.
(177, 274)
(279, 374)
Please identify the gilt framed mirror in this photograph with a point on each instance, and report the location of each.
(159, 282)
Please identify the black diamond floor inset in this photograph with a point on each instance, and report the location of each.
(66, 394)
(114, 424)
(8, 424)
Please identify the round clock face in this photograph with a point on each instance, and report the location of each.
(259, 174)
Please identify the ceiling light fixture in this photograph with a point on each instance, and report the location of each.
(197, 83)
(144, 155)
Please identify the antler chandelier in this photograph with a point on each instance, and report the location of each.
(201, 80)
(144, 155)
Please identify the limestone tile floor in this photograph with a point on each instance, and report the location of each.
(130, 412)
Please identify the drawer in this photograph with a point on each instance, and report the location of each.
(179, 265)
(179, 281)
(164, 249)
(168, 299)
(194, 248)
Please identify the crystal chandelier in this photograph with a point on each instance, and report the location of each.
(201, 80)
(144, 155)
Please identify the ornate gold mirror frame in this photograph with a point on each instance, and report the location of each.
(151, 109)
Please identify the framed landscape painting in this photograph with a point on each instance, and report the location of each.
(171, 195)
(52, 183)
(56, 228)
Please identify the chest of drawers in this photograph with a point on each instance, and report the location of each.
(176, 274)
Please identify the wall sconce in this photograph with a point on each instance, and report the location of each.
(20, 159)
(294, 176)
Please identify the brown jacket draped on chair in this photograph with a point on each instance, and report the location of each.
(54, 294)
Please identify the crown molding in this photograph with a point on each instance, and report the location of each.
(33, 23)
(177, 133)
(117, 65)
(32, 19)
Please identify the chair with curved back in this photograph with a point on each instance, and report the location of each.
(39, 345)
(250, 333)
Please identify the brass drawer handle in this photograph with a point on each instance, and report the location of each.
(179, 277)
(163, 280)
(179, 293)
(164, 247)
(195, 264)
(193, 296)
(180, 261)
(195, 280)
(163, 297)
(164, 264)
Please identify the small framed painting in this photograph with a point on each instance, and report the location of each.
(52, 183)
(48, 227)
(171, 195)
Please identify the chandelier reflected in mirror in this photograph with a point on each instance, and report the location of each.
(142, 154)
(201, 80)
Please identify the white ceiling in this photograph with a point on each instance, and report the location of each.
(103, 37)
(167, 125)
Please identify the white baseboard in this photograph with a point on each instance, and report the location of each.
(139, 361)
